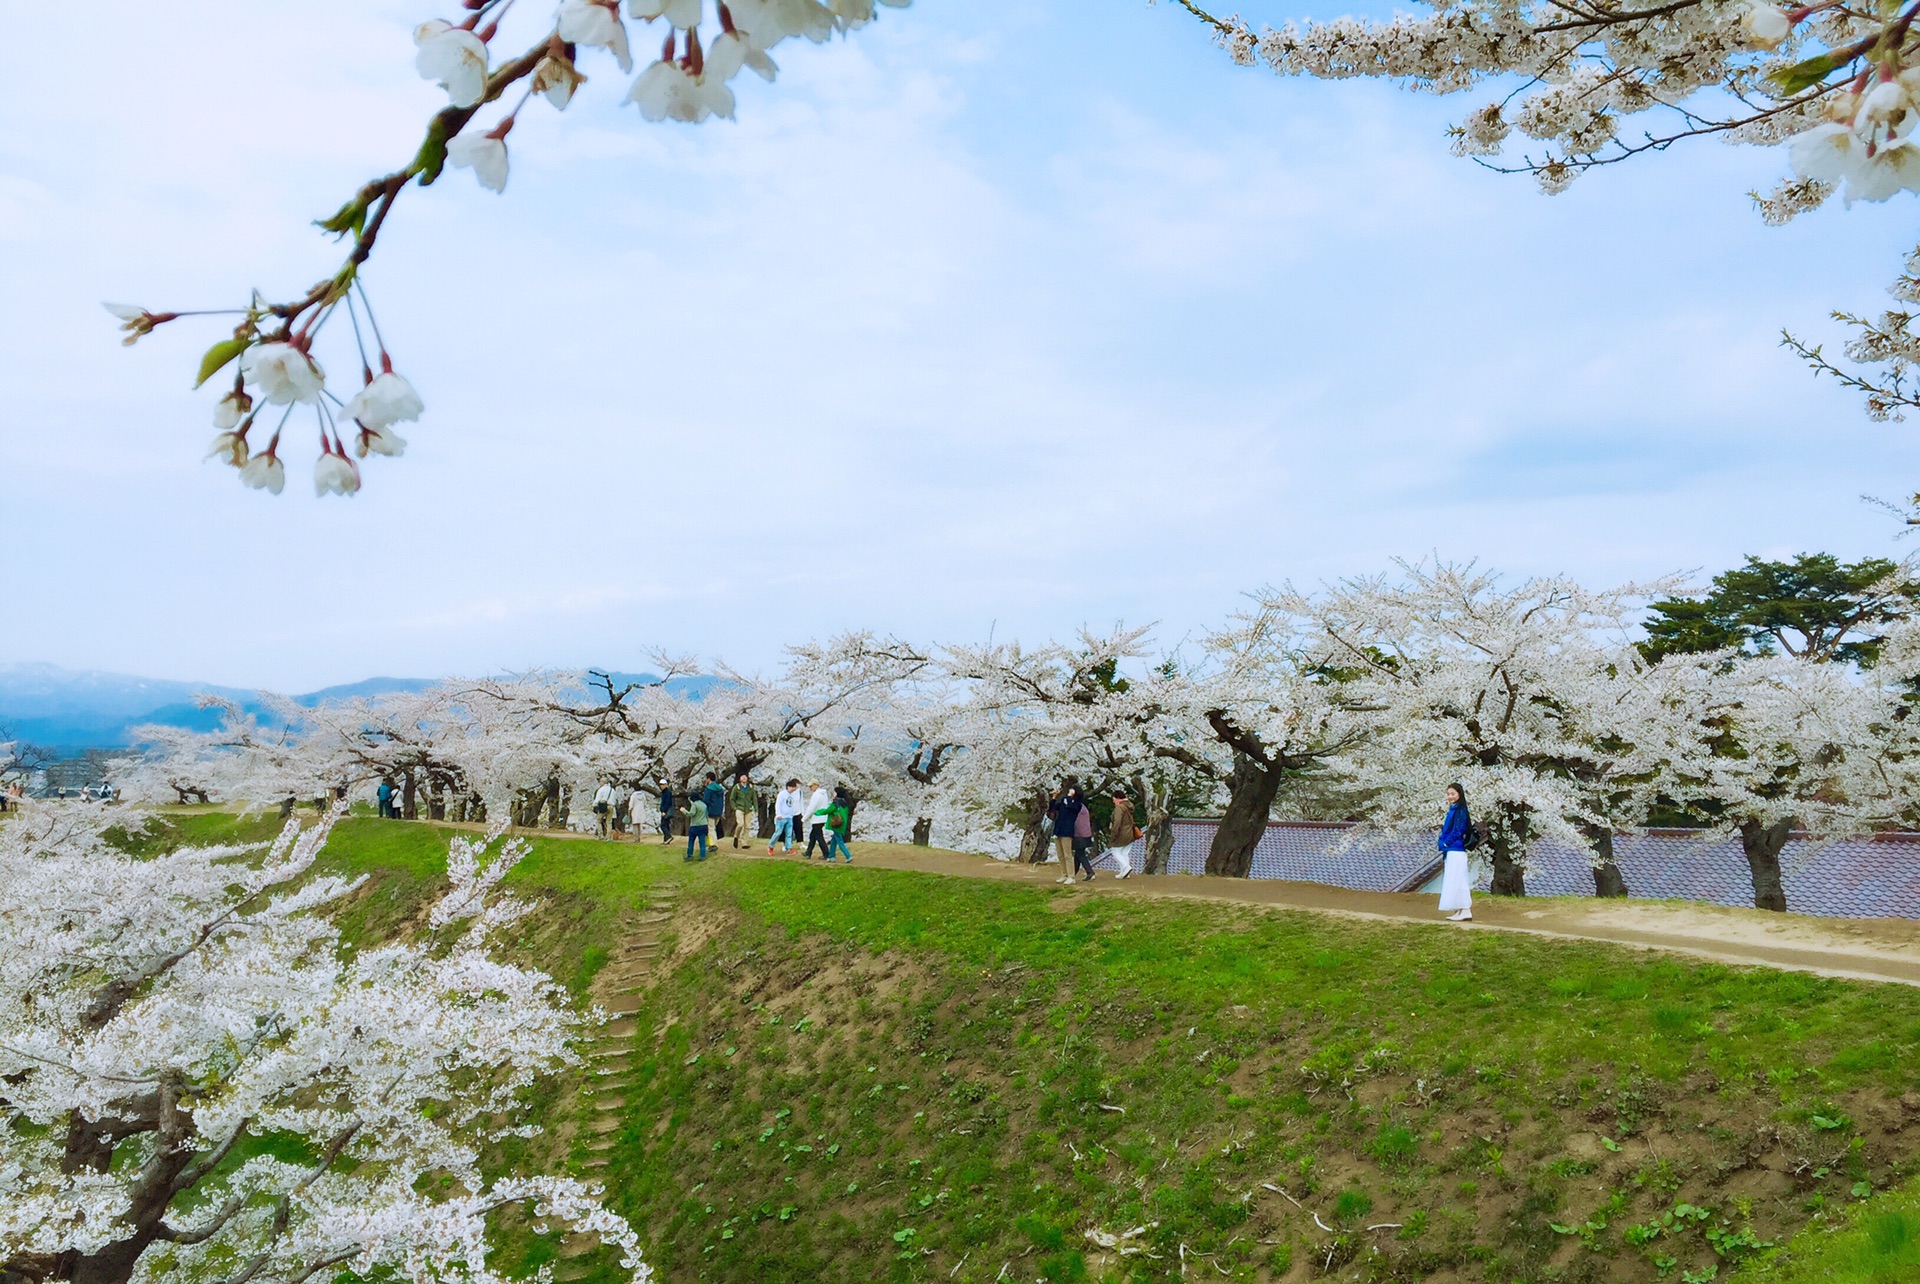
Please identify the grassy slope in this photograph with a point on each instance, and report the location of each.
(857, 1073)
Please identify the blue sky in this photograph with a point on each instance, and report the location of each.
(988, 317)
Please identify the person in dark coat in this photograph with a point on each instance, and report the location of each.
(666, 812)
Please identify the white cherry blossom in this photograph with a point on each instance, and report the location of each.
(285, 374)
(455, 58)
(229, 447)
(203, 998)
(684, 15)
(485, 155)
(264, 472)
(595, 23)
(557, 78)
(335, 474)
(231, 409)
(380, 441)
(387, 399)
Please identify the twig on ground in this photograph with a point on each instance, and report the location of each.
(1323, 1226)
(957, 1265)
(1387, 1226)
(1113, 1110)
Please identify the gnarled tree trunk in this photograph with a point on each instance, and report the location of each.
(1250, 792)
(1607, 879)
(1507, 838)
(1762, 844)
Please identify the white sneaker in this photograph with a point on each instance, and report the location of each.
(1063, 880)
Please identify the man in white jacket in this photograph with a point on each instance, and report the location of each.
(817, 820)
(786, 818)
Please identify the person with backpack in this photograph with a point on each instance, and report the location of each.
(1083, 842)
(817, 808)
(603, 807)
(715, 797)
(839, 824)
(745, 805)
(1456, 834)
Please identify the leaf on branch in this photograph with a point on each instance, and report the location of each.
(217, 358)
(1806, 73)
(432, 157)
(352, 217)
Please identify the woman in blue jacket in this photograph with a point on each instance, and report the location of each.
(1456, 888)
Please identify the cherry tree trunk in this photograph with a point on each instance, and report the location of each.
(1250, 793)
(1607, 879)
(1762, 844)
(923, 832)
(407, 795)
(1506, 837)
(766, 823)
(1157, 827)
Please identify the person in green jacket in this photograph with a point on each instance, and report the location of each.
(839, 823)
(696, 814)
(745, 804)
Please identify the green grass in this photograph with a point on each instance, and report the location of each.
(1877, 1243)
(853, 1074)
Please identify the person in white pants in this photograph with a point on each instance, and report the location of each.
(1456, 884)
(1122, 834)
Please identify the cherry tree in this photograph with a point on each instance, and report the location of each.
(1593, 82)
(1248, 716)
(251, 757)
(1771, 744)
(1526, 696)
(1038, 716)
(201, 1083)
(489, 56)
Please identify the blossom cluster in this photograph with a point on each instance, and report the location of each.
(272, 347)
(162, 1017)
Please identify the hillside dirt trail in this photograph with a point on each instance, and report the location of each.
(1862, 949)
(1882, 949)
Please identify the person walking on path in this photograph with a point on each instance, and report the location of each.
(1066, 819)
(745, 804)
(384, 796)
(696, 814)
(715, 797)
(667, 813)
(839, 824)
(817, 808)
(1456, 885)
(1123, 833)
(786, 818)
(603, 806)
(1083, 841)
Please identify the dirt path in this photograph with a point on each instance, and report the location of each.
(1869, 949)
(1883, 949)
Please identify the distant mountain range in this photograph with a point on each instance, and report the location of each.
(69, 711)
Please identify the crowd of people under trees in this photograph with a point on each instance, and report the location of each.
(1775, 700)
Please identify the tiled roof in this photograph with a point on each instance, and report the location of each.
(1876, 877)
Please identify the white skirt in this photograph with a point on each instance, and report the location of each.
(1456, 884)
